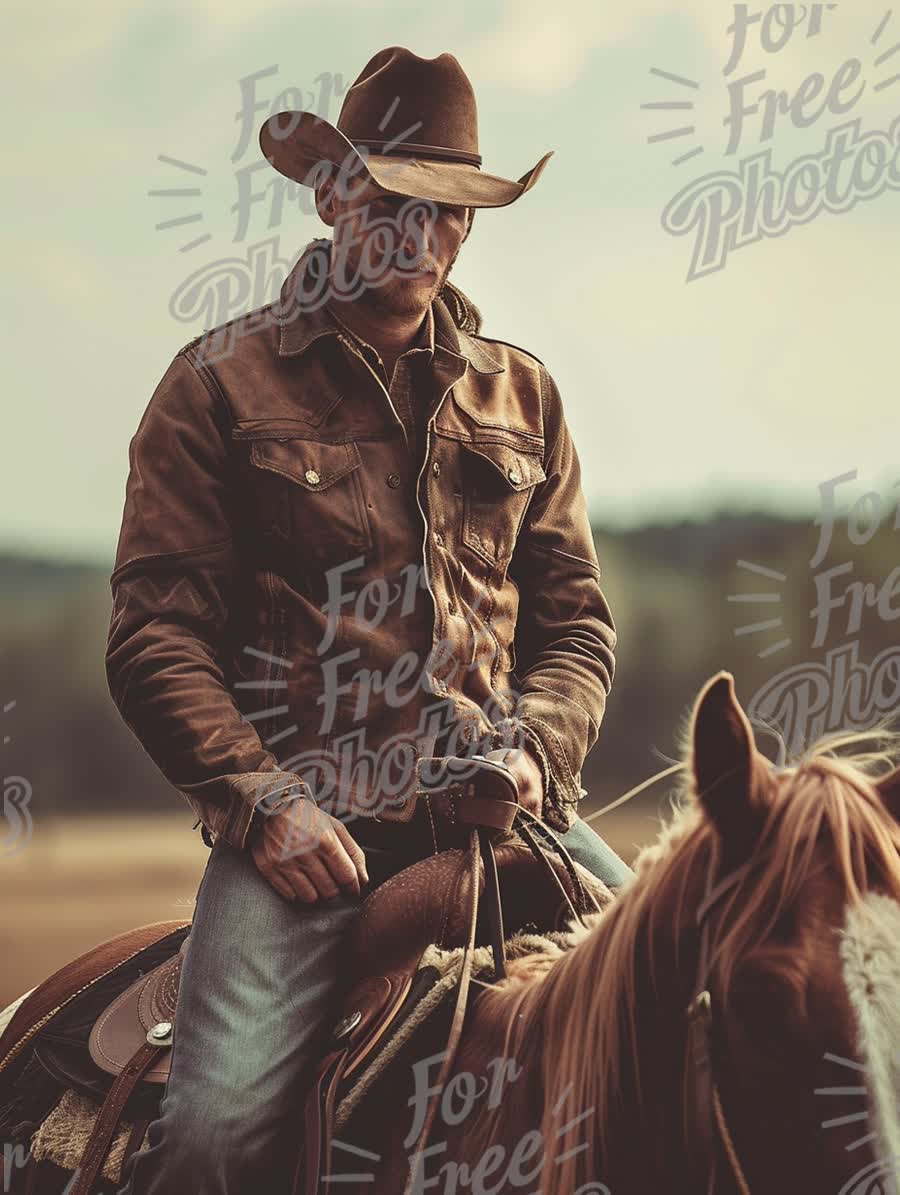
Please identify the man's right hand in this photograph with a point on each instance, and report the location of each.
(306, 854)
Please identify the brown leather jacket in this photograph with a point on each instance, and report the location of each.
(285, 566)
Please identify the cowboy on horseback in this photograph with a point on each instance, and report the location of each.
(354, 539)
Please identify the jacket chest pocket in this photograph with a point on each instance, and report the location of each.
(497, 485)
(310, 494)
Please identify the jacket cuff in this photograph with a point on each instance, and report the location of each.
(558, 807)
(227, 806)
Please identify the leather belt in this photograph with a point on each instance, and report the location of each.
(414, 838)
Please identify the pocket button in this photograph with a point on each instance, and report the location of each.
(312, 476)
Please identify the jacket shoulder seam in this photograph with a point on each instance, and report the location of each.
(247, 316)
(508, 343)
(550, 443)
(208, 377)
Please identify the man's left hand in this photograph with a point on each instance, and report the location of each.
(527, 772)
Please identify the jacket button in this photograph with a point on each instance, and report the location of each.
(393, 480)
(312, 476)
(439, 539)
(515, 476)
(436, 468)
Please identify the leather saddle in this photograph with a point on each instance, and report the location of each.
(422, 905)
(433, 902)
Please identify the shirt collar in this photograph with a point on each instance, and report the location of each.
(423, 343)
(300, 325)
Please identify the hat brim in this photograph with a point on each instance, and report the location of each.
(304, 147)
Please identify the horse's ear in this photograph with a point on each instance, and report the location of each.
(727, 768)
(889, 791)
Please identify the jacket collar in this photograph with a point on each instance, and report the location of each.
(451, 339)
(300, 326)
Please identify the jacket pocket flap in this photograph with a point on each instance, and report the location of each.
(309, 463)
(520, 470)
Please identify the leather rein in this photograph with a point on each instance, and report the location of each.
(486, 816)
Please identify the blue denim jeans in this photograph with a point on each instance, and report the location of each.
(257, 997)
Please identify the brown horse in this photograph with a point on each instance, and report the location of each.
(730, 1024)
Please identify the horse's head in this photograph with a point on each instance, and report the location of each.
(790, 879)
(777, 892)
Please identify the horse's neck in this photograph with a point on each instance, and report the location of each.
(550, 1042)
(509, 1070)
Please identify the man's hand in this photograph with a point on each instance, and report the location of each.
(307, 855)
(527, 771)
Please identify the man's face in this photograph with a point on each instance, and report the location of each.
(398, 250)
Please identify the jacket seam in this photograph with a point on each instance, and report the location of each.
(534, 448)
(545, 396)
(508, 343)
(210, 380)
(153, 557)
(266, 316)
(545, 407)
(565, 697)
(568, 556)
(244, 436)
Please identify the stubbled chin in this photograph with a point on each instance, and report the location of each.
(405, 295)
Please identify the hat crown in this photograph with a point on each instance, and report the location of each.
(401, 103)
(407, 124)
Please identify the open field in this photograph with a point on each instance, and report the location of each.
(83, 879)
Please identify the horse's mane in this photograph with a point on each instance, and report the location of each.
(594, 986)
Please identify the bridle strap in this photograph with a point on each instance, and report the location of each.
(709, 1115)
(737, 1169)
(724, 886)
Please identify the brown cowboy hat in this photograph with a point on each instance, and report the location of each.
(409, 124)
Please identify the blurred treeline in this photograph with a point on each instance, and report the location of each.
(668, 587)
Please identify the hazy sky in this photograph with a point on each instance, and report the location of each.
(757, 381)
